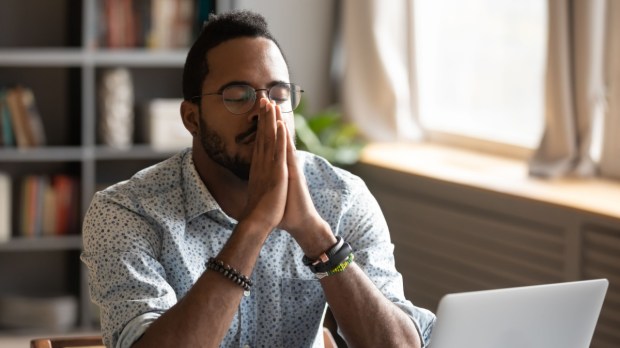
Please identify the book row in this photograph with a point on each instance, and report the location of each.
(47, 206)
(20, 121)
(156, 24)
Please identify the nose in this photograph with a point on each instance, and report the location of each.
(253, 114)
(262, 93)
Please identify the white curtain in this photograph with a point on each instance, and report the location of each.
(582, 83)
(610, 153)
(378, 90)
(575, 90)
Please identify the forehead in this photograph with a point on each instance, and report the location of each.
(255, 60)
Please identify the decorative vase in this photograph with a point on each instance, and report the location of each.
(116, 101)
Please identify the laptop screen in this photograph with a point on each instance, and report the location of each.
(561, 315)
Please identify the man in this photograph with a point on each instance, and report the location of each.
(224, 244)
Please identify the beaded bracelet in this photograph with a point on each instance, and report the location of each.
(230, 273)
(341, 267)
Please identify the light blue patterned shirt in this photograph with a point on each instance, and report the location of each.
(147, 239)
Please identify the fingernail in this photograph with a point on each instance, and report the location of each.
(263, 102)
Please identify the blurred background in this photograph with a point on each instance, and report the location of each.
(486, 129)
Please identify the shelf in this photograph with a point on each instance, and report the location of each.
(72, 242)
(42, 57)
(42, 154)
(52, 57)
(138, 57)
(63, 66)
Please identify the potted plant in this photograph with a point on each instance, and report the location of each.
(326, 134)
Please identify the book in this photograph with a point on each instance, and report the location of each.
(67, 209)
(5, 207)
(41, 184)
(63, 202)
(6, 130)
(162, 21)
(26, 206)
(34, 121)
(19, 118)
(25, 118)
(182, 23)
(49, 211)
(49, 206)
(155, 24)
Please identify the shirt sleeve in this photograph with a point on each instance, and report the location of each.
(364, 227)
(126, 281)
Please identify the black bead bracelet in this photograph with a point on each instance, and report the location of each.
(230, 273)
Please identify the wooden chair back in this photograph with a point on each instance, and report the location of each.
(96, 341)
(68, 342)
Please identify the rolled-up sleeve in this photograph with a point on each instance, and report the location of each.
(364, 226)
(126, 281)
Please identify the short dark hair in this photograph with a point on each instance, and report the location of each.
(218, 29)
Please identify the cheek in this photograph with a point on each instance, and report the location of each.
(216, 123)
(289, 120)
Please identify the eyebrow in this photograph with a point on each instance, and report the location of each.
(241, 82)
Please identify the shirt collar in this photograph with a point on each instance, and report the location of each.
(198, 200)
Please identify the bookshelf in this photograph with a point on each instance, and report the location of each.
(58, 55)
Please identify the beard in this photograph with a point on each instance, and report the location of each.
(214, 146)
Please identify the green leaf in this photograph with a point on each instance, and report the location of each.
(328, 136)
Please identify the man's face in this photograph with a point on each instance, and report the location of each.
(226, 138)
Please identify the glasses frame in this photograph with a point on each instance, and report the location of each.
(256, 90)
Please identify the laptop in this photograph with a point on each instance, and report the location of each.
(561, 315)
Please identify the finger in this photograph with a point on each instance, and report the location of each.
(281, 144)
(290, 155)
(279, 113)
(262, 112)
(269, 128)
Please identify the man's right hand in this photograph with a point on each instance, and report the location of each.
(268, 182)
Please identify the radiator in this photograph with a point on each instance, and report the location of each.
(450, 238)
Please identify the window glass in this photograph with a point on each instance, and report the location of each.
(480, 68)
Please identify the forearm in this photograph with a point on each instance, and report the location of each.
(204, 315)
(364, 315)
(353, 298)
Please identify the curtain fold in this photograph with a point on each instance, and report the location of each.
(582, 82)
(575, 89)
(610, 154)
(378, 89)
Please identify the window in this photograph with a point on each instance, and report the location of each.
(480, 68)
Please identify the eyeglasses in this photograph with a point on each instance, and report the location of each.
(240, 99)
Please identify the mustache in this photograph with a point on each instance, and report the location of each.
(239, 138)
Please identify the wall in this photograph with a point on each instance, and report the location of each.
(304, 29)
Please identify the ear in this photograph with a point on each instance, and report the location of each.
(189, 115)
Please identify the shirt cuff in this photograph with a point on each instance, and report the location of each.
(135, 329)
(423, 320)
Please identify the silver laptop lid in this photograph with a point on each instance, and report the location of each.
(561, 315)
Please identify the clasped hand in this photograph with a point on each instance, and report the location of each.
(277, 191)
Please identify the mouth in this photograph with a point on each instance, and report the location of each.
(247, 137)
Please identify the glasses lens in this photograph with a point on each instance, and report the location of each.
(286, 95)
(295, 96)
(239, 99)
(281, 95)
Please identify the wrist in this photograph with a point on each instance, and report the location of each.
(254, 229)
(315, 238)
